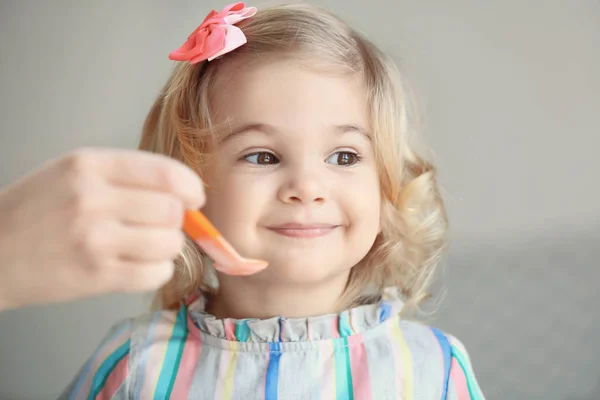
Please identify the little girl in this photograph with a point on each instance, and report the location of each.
(302, 131)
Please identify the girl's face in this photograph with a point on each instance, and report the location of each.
(294, 180)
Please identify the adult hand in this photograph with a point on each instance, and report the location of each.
(94, 221)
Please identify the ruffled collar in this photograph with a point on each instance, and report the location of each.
(279, 329)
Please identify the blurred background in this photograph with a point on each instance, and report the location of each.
(510, 93)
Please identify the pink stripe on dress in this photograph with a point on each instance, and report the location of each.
(361, 382)
(115, 379)
(230, 329)
(458, 381)
(188, 364)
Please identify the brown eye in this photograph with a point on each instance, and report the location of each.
(261, 158)
(343, 158)
(265, 158)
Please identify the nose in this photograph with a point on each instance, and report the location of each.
(302, 187)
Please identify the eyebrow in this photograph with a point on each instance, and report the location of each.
(270, 130)
(245, 129)
(341, 129)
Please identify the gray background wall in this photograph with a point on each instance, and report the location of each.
(511, 96)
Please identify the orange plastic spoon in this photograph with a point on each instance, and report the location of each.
(226, 259)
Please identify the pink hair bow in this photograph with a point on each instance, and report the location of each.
(216, 35)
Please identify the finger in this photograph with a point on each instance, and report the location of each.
(148, 243)
(148, 208)
(132, 276)
(154, 172)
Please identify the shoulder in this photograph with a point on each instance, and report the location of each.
(436, 353)
(462, 381)
(153, 332)
(158, 324)
(105, 372)
(111, 370)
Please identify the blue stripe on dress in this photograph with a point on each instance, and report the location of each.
(447, 354)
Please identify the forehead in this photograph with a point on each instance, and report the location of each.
(284, 93)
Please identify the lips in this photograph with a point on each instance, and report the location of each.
(297, 230)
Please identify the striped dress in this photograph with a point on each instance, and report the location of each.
(366, 353)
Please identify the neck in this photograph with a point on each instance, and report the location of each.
(248, 298)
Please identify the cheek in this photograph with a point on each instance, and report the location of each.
(361, 205)
(233, 200)
(364, 194)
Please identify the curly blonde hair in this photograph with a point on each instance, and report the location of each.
(408, 250)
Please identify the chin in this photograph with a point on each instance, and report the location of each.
(302, 270)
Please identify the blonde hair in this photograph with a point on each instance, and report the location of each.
(407, 252)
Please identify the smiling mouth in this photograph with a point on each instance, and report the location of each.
(303, 231)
